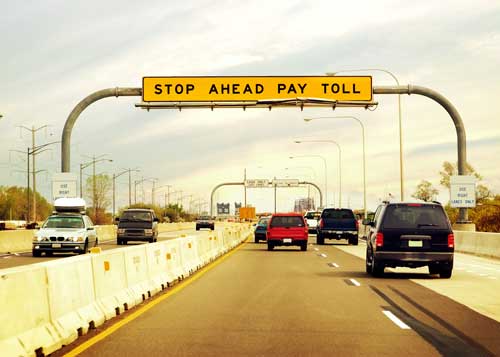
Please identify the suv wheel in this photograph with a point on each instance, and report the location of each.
(377, 267)
(197, 228)
(303, 246)
(320, 239)
(433, 269)
(368, 263)
(270, 246)
(445, 271)
(353, 240)
(256, 240)
(96, 243)
(37, 253)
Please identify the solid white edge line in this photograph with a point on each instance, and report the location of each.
(397, 321)
(355, 282)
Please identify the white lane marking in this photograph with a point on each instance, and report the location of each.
(483, 274)
(316, 249)
(492, 277)
(397, 321)
(355, 282)
(335, 265)
(470, 271)
(323, 255)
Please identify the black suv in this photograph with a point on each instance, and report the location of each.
(137, 224)
(337, 223)
(410, 235)
(205, 222)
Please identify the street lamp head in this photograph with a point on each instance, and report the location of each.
(331, 73)
(307, 119)
(297, 141)
(291, 157)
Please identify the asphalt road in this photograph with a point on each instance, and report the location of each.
(291, 303)
(17, 259)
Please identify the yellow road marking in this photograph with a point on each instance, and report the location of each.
(101, 336)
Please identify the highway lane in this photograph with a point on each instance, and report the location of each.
(475, 281)
(292, 303)
(24, 258)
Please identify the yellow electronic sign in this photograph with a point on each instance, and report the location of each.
(238, 89)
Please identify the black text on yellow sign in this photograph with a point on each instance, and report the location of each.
(235, 89)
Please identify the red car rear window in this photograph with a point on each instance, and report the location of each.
(287, 221)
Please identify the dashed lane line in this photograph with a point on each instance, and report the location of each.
(355, 282)
(396, 320)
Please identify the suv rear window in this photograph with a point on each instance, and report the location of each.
(287, 221)
(337, 214)
(136, 216)
(415, 216)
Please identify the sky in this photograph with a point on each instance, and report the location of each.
(55, 53)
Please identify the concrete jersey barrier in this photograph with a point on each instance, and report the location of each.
(48, 305)
(17, 241)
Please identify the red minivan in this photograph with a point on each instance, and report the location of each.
(287, 229)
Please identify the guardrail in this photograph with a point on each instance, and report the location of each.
(16, 241)
(48, 305)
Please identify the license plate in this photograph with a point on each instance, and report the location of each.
(415, 243)
(287, 240)
(56, 245)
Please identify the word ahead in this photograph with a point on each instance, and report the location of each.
(236, 89)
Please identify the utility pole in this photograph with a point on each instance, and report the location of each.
(33, 130)
(245, 186)
(94, 194)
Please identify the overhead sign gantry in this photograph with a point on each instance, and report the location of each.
(299, 96)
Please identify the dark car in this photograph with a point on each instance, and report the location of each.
(205, 222)
(261, 229)
(410, 235)
(137, 225)
(287, 229)
(337, 223)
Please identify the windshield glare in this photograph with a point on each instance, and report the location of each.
(312, 215)
(64, 222)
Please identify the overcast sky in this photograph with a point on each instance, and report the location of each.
(54, 53)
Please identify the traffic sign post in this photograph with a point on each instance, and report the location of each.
(462, 191)
(64, 185)
(286, 183)
(257, 183)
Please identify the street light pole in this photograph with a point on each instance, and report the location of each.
(340, 164)
(364, 152)
(326, 170)
(401, 168)
(115, 176)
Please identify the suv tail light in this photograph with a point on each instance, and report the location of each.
(321, 224)
(451, 240)
(379, 240)
(357, 225)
